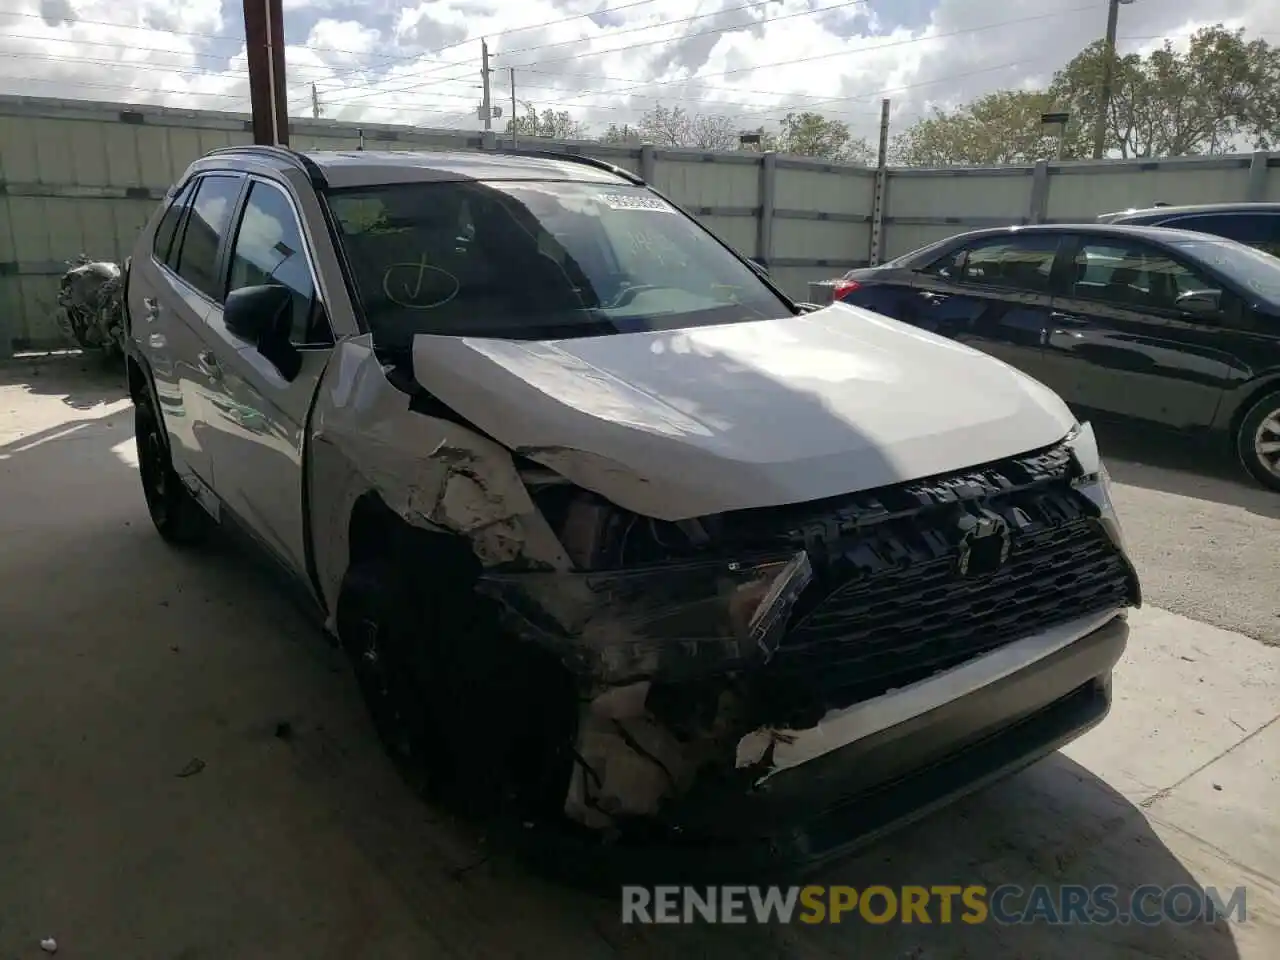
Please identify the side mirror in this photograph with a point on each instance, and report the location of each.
(261, 315)
(1200, 303)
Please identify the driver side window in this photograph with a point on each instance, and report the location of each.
(269, 249)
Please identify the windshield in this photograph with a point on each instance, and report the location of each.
(1254, 270)
(536, 261)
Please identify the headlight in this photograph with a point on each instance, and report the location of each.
(1092, 478)
(669, 619)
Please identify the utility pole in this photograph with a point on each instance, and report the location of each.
(315, 102)
(264, 50)
(881, 185)
(1108, 68)
(514, 115)
(486, 104)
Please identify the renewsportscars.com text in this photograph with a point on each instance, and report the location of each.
(1065, 905)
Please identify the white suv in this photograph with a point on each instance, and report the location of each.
(621, 541)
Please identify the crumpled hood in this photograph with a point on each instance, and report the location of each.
(686, 423)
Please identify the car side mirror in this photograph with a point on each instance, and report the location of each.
(261, 315)
(1200, 303)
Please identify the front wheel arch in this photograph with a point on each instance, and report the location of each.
(496, 698)
(1254, 413)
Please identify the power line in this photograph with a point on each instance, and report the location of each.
(609, 33)
(766, 115)
(147, 66)
(123, 64)
(909, 86)
(133, 88)
(305, 97)
(375, 89)
(412, 58)
(816, 100)
(786, 63)
(699, 16)
(116, 86)
(633, 46)
(690, 36)
(771, 114)
(116, 45)
(543, 25)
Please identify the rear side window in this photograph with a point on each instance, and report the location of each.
(1021, 263)
(162, 245)
(197, 260)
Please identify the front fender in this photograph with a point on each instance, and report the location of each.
(431, 472)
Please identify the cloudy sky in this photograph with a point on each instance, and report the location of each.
(400, 61)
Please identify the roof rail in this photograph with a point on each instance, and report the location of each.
(575, 158)
(287, 154)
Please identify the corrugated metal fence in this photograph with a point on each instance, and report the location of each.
(79, 177)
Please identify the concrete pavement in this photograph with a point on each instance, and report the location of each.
(122, 662)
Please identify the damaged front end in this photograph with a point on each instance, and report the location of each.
(644, 643)
(714, 658)
(713, 654)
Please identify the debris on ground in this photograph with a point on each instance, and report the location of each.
(194, 766)
(49, 945)
(91, 305)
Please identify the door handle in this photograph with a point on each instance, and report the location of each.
(1066, 323)
(934, 297)
(208, 365)
(151, 307)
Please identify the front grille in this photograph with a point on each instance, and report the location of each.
(880, 632)
(890, 606)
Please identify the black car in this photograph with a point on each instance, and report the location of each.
(1254, 224)
(1153, 324)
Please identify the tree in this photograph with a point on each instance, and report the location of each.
(809, 134)
(806, 134)
(1222, 93)
(999, 128)
(553, 124)
(665, 127)
(676, 127)
(621, 134)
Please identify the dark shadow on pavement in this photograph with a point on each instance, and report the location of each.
(1197, 468)
(81, 380)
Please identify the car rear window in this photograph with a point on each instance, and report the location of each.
(537, 260)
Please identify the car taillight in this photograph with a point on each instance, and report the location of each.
(844, 287)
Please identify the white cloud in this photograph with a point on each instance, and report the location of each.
(418, 63)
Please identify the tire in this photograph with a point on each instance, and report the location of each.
(459, 706)
(371, 621)
(1258, 441)
(178, 518)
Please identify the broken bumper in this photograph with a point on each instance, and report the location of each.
(824, 792)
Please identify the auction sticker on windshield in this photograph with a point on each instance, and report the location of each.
(629, 201)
